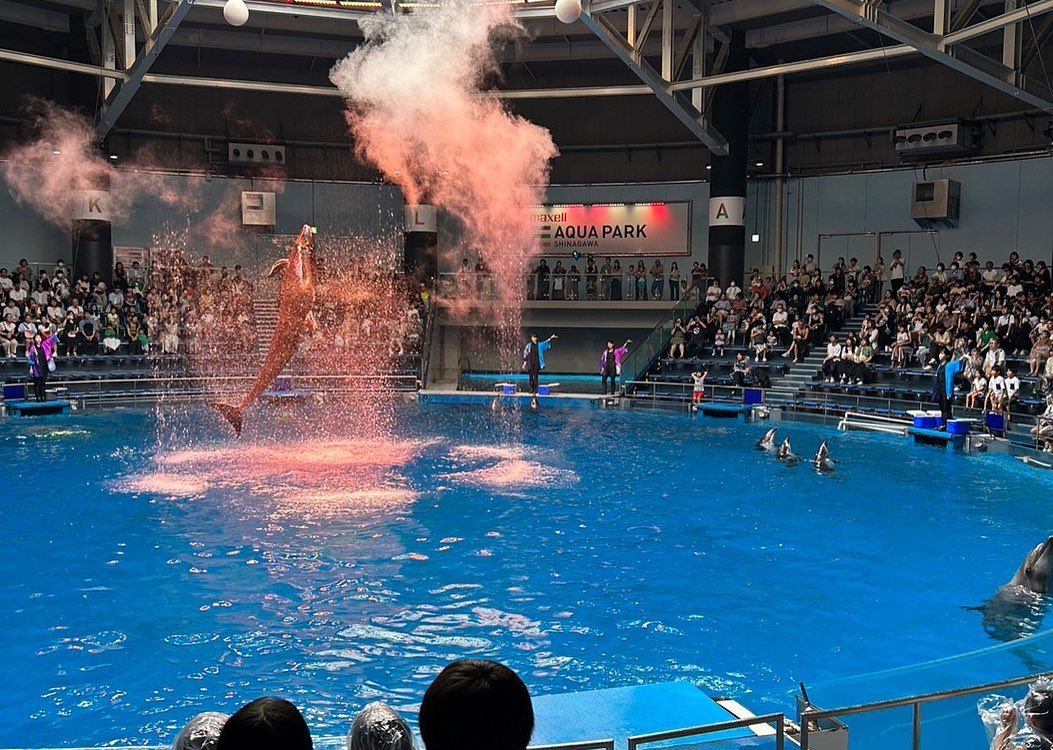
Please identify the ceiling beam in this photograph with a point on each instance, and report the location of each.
(119, 100)
(998, 22)
(674, 102)
(804, 66)
(67, 66)
(963, 60)
(40, 18)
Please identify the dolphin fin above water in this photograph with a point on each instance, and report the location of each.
(231, 413)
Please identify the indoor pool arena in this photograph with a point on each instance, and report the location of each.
(526, 374)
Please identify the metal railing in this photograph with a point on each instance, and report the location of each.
(778, 720)
(810, 714)
(646, 352)
(649, 389)
(472, 285)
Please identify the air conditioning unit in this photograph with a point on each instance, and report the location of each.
(258, 209)
(936, 202)
(959, 138)
(255, 153)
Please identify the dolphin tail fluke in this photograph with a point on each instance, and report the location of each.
(231, 413)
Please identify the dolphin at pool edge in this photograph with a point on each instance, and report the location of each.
(1018, 608)
(295, 301)
(822, 459)
(767, 443)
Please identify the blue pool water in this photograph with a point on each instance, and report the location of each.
(593, 549)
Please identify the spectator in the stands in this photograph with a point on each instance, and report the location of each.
(977, 391)
(657, 279)
(9, 335)
(696, 336)
(606, 275)
(1040, 351)
(713, 292)
(640, 281)
(740, 369)
(559, 281)
(265, 724)
(68, 335)
(12, 309)
(733, 289)
(1012, 388)
(591, 279)
(674, 281)
(798, 341)
(1043, 429)
(698, 275)
(55, 312)
(678, 339)
(996, 396)
(476, 705)
(897, 271)
(832, 361)
(901, 348)
(573, 282)
(719, 343)
(615, 280)
(993, 358)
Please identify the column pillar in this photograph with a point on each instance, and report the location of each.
(727, 177)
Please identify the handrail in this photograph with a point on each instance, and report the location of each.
(810, 713)
(647, 351)
(777, 719)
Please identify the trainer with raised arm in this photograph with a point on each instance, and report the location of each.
(534, 358)
(611, 364)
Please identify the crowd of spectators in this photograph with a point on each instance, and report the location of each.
(131, 312)
(640, 279)
(986, 314)
(471, 705)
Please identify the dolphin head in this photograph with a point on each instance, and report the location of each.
(1034, 571)
(301, 257)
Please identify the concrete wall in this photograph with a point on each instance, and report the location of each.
(1004, 207)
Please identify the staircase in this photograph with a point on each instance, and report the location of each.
(785, 388)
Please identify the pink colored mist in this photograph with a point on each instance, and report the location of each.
(326, 478)
(416, 111)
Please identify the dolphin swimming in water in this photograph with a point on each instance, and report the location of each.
(822, 459)
(1017, 609)
(295, 300)
(785, 452)
(767, 443)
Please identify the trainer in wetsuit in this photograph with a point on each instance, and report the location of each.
(534, 358)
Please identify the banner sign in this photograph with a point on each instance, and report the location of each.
(638, 229)
(421, 219)
(729, 211)
(91, 205)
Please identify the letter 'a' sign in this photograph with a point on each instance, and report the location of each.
(92, 205)
(421, 219)
(729, 211)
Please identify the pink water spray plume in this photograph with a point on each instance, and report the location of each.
(415, 109)
(46, 173)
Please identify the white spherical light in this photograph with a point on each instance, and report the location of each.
(568, 11)
(236, 12)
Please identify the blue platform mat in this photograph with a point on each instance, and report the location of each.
(620, 713)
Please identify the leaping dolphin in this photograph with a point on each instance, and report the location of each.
(1017, 610)
(767, 443)
(785, 452)
(295, 300)
(822, 459)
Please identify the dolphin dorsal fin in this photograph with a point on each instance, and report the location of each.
(278, 267)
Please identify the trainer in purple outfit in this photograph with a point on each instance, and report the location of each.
(611, 364)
